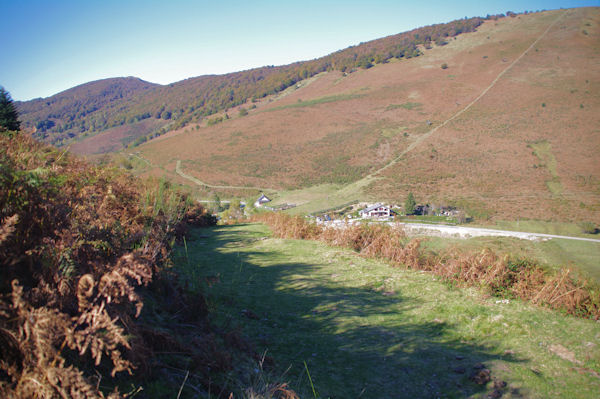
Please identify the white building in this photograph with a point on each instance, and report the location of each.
(263, 199)
(377, 211)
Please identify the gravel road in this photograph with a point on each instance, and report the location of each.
(438, 230)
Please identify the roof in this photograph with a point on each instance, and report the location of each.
(369, 209)
(263, 198)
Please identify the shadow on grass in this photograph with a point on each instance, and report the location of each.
(356, 341)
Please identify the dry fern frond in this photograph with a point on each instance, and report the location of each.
(8, 227)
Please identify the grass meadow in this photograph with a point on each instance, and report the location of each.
(361, 328)
(583, 256)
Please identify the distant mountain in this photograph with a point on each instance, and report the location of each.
(89, 107)
(97, 106)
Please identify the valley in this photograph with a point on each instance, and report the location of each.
(413, 216)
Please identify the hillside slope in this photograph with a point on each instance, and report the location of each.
(67, 116)
(489, 122)
(85, 108)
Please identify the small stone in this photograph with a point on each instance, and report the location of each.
(459, 357)
(459, 370)
(564, 353)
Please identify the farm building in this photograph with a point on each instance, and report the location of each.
(263, 199)
(376, 211)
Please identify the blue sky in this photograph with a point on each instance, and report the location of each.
(50, 46)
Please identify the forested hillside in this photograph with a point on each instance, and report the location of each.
(97, 106)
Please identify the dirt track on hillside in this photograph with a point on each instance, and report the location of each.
(463, 110)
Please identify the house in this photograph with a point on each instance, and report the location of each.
(263, 199)
(376, 211)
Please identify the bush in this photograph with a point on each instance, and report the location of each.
(588, 227)
(214, 121)
(76, 245)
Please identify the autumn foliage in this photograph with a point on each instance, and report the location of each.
(100, 105)
(499, 275)
(76, 245)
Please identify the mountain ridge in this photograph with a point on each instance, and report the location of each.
(195, 98)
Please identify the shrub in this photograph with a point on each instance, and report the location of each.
(76, 245)
(588, 227)
(214, 121)
(410, 204)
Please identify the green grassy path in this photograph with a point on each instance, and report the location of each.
(367, 330)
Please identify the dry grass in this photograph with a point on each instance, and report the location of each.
(501, 276)
(480, 161)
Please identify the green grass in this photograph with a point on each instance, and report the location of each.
(317, 101)
(368, 330)
(317, 198)
(582, 256)
(409, 106)
(391, 132)
(540, 226)
(543, 150)
(427, 219)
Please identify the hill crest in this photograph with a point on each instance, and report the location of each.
(193, 99)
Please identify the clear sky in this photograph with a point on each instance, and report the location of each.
(50, 46)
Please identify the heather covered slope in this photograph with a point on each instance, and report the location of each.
(95, 107)
(529, 145)
(487, 122)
